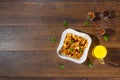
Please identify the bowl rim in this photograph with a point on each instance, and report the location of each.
(85, 54)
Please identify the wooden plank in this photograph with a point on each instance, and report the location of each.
(104, 79)
(25, 26)
(59, 0)
(38, 37)
(59, 78)
(46, 64)
(37, 13)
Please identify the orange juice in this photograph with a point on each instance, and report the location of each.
(99, 52)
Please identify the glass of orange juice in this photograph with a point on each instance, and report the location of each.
(100, 53)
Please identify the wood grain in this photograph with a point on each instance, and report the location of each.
(59, 0)
(26, 29)
(59, 78)
(28, 26)
(46, 63)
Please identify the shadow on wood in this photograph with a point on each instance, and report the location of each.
(113, 57)
(95, 42)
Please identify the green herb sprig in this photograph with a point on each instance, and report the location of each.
(89, 64)
(71, 50)
(105, 37)
(61, 66)
(80, 50)
(65, 23)
(86, 23)
(53, 39)
(71, 42)
(89, 17)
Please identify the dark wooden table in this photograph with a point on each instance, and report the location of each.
(26, 29)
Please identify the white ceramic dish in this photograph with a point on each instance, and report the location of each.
(85, 53)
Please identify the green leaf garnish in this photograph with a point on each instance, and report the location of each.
(86, 23)
(71, 42)
(53, 39)
(90, 64)
(106, 38)
(80, 50)
(62, 66)
(89, 17)
(71, 49)
(65, 23)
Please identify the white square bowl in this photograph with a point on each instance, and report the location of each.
(85, 53)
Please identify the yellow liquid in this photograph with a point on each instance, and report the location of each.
(99, 52)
